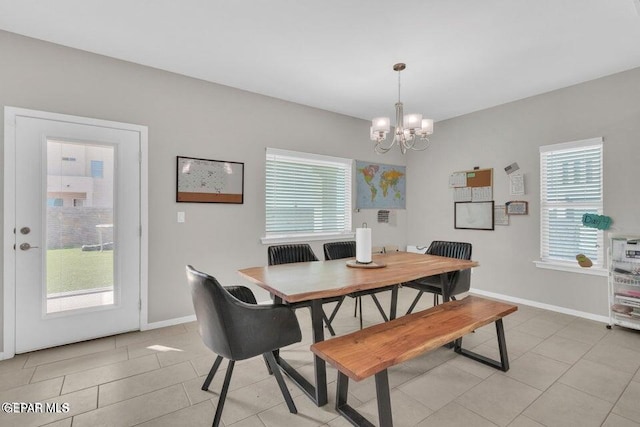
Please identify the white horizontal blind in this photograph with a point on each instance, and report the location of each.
(307, 194)
(570, 186)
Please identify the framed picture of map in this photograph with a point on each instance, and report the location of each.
(380, 186)
(209, 181)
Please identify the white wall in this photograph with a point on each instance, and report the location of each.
(192, 118)
(496, 137)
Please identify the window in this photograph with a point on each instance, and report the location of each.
(54, 202)
(306, 196)
(570, 186)
(97, 169)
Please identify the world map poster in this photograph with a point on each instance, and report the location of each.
(380, 186)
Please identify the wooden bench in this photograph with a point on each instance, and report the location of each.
(371, 351)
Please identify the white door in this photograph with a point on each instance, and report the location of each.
(77, 232)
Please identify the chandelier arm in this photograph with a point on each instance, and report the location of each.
(426, 145)
(381, 149)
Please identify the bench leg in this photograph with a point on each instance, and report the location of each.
(503, 365)
(353, 416)
(384, 399)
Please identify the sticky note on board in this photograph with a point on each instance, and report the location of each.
(471, 175)
(601, 222)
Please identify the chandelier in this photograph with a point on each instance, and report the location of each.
(411, 131)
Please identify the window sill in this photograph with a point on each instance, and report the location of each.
(306, 238)
(571, 268)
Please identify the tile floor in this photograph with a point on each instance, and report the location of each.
(565, 371)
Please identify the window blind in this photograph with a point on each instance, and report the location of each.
(306, 194)
(570, 186)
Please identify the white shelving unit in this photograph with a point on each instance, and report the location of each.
(624, 281)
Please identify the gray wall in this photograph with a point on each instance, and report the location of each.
(496, 137)
(193, 118)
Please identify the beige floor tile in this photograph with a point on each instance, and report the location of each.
(137, 385)
(536, 370)
(309, 415)
(14, 378)
(562, 349)
(137, 410)
(555, 317)
(540, 327)
(78, 364)
(405, 411)
(454, 415)
(480, 370)
(637, 377)
(627, 338)
(109, 373)
(499, 399)
(200, 415)
(252, 421)
(163, 344)
(69, 351)
(142, 336)
(615, 356)
(440, 386)
(186, 353)
(253, 399)
(430, 360)
(62, 423)
(628, 406)
(597, 380)
(614, 420)
(366, 390)
(13, 364)
(79, 402)
(33, 392)
(586, 331)
(522, 421)
(518, 342)
(478, 337)
(564, 406)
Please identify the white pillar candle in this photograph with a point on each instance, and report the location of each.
(363, 245)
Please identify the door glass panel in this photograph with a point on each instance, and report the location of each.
(80, 244)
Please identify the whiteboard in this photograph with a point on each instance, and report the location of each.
(473, 215)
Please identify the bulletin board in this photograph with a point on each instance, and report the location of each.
(472, 185)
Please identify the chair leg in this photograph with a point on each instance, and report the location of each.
(360, 305)
(223, 394)
(212, 372)
(355, 308)
(283, 387)
(436, 300)
(415, 302)
(266, 362)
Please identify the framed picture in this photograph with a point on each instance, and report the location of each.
(473, 215)
(517, 207)
(209, 181)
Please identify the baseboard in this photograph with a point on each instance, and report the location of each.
(168, 322)
(563, 310)
(1, 356)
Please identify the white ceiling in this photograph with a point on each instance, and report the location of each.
(461, 55)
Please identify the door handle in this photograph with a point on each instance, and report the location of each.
(25, 246)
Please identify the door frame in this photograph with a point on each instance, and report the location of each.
(8, 239)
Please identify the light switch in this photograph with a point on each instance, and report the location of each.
(181, 216)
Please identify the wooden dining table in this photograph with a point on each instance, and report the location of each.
(311, 284)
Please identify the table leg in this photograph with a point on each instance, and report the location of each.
(394, 302)
(320, 367)
(446, 287)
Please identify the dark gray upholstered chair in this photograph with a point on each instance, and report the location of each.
(460, 280)
(339, 250)
(233, 326)
(300, 252)
(286, 254)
